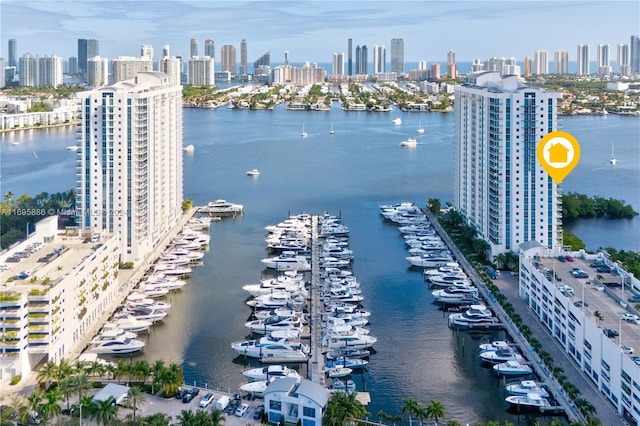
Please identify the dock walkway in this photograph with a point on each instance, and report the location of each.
(316, 362)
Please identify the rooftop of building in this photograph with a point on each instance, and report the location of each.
(602, 287)
(33, 263)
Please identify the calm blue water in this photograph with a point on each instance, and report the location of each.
(350, 173)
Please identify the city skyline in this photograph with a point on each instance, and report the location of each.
(313, 30)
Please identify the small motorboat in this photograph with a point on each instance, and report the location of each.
(409, 142)
(338, 371)
(529, 402)
(397, 121)
(253, 172)
(189, 148)
(526, 387)
(341, 385)
(512, 368)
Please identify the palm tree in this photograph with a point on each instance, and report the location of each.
(51, 406)
(186, 418)
(64, 369)
(104, 411)
(142, 370)
(410, 407)
(33, 404)
(134, 397)
(79, 384)
(66, 388)
(157, 419)
(435, 410)
(47, 374)
(343, 408)
(598, 317)
(217, 417)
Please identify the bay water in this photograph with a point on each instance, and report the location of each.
(350, 173)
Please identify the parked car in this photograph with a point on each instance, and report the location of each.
(562, 258)
(603, 269)
(492, 273)
(191, 393)
(610, 333)
(631, 318)
(241, 410)
(569, 258)
(206, 400)
(634, 299)
(580, 303)
(257, 415)
(181, 393)
(626, 349)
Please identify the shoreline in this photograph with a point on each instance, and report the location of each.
(48, 126)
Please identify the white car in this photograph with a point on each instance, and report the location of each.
(241, 410)
(631, 318)
(205, 400)
(626, 349)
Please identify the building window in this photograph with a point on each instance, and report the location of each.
(309, 412)
(275, 405)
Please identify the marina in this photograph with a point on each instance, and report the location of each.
(207, 315)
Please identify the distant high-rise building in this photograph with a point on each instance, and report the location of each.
(540, 62)
(262, 65)
(604, 60)
(338, 63)
(3, 77)
(244, 69)
(379, 59)
(422, 65)
(194, 47)
(476, 65)
(527, 66)
(210, 48)
(624, 59)
(13, 53)
(146, 52)
(228, 58)
(201, 71)
(397, 55)
(561, 63)
(87, 48)
(130, 161)
(43, 71)
(362, 60)
(435, 70)
(452, 69)
(500, 188)
(127, 67)
(166, 51)
(634, 54)
(584, 66)
(73, 65)
(349, 57)
(171, 66)
(286, 57)
(97, 71)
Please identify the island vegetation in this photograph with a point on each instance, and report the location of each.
(20, 215)
(63, 91)
(580, 206)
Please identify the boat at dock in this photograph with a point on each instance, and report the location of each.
(526, 387)
(223, 208)
(265, 373)
(512, 368)
(529, 402)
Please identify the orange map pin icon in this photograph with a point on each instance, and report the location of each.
(558, 153)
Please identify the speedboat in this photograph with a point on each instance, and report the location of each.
(172, 270)
(430, 260)
(115, 342)
(253, 172)
(495, 345)
(283, 312)
(411, 142)
(146, 314)
(512, 368)
(529, 402)
(287, 261)
(526, 387)
(475, 316)
(498, 357)
(341, 385)
(338, 371)
(277, 299)
(397, 121)
(348, 353)
(264, 373)
(113, 333)
(73, 148)
(447, 280)
(189, 148)
(350, 339)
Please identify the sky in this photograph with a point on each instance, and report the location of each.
(314, 30)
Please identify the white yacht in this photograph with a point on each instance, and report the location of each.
(411, 142)
(223, 207)
(338, 371)
(144, 314)
(129, 323)
(189, 148)
(455, 293)
(113, 333)
(115, 342)
(348, 353)
(529, 402)
(341, 385)
(253, 172)
(281, 312)
(172, 270)
(153, 291)
(352, 363)
(525, 387)
(397, 121)
(273, 323)
(349, 339)
(276, 299)
(258, 388)
(512, 368)
(430, 260)
(496, 345)
(477, 316)
(286, 352)
(264, 373)
(73, 148)
(498, 357)
(287, 261)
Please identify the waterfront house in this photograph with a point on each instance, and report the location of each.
(305, 401)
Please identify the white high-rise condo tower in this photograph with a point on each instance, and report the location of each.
(500, 188)
(129, 163)
(540, 62)
(584, 65)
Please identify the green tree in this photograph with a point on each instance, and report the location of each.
(157, 419)
(104, 411)
(47, 374)
(434, 205)
(435, 410)
(186, 418)
(410, 407)
(50, 408)
(217, 417)
(343, 408)
(80, 384)
(134, 397)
